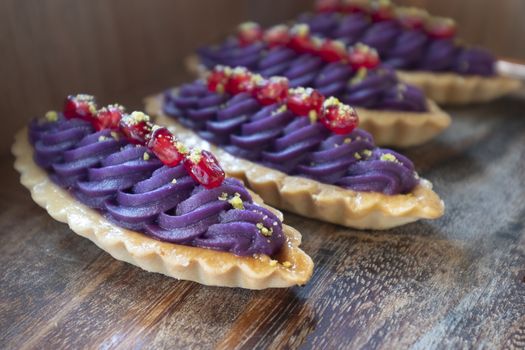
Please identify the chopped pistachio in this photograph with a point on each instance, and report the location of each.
(287, 264)
(51, 116)
(236, 202)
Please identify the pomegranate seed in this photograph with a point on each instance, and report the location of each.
(271, 91)
(355, 6)
(362, 56)
(337, 117)
(303, 101)
(80, 106)
(240, 80)
(441, 28)
(108, 117)
(382, 11)
(136, 127)
(300, 39)
(204, 168)
(332, 51)
(249, 33)
(166, 148)
(327, 5)
(218, 78)
(277, 36)
(411, 17)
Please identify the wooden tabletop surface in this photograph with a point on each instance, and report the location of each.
(457, 282)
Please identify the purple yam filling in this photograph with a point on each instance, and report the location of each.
(273, 136)
(138, 192)
(374, 89)
(402, 48)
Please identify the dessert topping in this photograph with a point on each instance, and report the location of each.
(269, 91)
(108, 117)
(355, 6)
(303, 101)
(440, 27)
(136, 127)
(382, 10)
(277, 35)
(411, 17)
(204, 168)
(339, 118)
(236, 201)
(327, 5)
(218, 78)
(333, 51)
(300, 39)
(239, 80)
(249, 33)
(80, 106)
(51, 116)
(164, 145)
(363, 56)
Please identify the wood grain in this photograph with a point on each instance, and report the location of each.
(458, 282)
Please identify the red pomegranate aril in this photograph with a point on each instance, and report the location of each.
(355, 6)
(271, 91)
(204, 168)
(277, 36)
(300, 39)
(362, 56)
(339, 118)
(136, 127)
(382, 11)
(411, 17)
(441, 28)
(80, 106)
(240, 80)
(218, 78)
(165, 147)
(249, 33)
(108, 117)
(303, 101)
(332, 51)
(327, 5)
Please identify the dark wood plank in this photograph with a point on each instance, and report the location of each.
(458, 282)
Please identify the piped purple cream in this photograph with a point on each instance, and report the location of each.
(372, 88)
(401, 47)
(275, 137)
(134, 190)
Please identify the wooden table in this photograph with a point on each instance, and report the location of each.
(457, 282)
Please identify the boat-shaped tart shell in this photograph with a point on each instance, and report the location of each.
(456, 89)
(205, 266)
(310, 198)
(388, 127)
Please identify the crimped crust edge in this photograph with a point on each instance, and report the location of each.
(205, 266)
(451, 88)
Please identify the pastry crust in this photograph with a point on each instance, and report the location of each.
(205, 266)
(310, 198)
(451, 88)
(389, 128)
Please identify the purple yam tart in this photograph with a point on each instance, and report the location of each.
(298, 149)
(421, 47)
(133, 177)
(397, 114)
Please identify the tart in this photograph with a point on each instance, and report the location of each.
(397, 114)
(297, 149)
(138, 193)
(423, 49)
